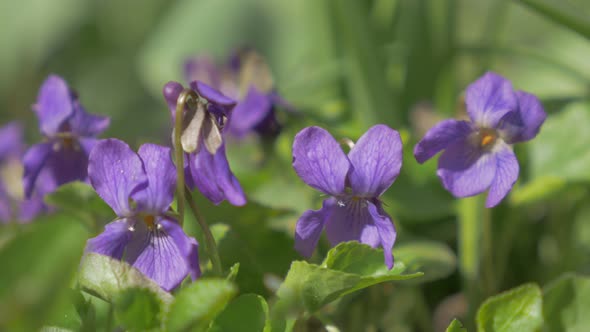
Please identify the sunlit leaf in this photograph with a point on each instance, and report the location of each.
(106, 278)
(138, 309)
(519, 309)
(196, 305)
(456, 326)
(349, 267)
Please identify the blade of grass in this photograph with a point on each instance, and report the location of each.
(561, 13)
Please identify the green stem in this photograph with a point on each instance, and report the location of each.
(487, 252)
(210, 245)
(470, 214)
(183, 97)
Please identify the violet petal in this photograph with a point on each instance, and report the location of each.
(116, 173)
(386, 231)
(350, 221)
(156, 254)
(33, 162)
(54, 105)
(202, 69)
(213, 177)
(249, 112)
(376, 161)
(86, 124)
(439, 137)
(319, 161)
(112, 241)
(309, 228)
(161, 175)
(11, 138)
(506, 175)
(489, 98)
(465, 170)
(525, 123)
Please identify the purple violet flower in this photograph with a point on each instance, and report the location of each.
(354, 182)
(246, 78)
(140, 188)
(207, 171)
(12, 204)
(70, 134)
(478, 154)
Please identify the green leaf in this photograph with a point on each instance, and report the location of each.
(456, 326)
(138, 309)
(71, 197)
(518, 309)
(106, 278)
(562, 13)
(411, 260)
(247, 313)
(309, 286)
(195, 306)
(39, 265)
(348, 267)
(566, 303)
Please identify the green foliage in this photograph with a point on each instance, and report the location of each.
(456, 326)
(249, 240)
(349, 267)
(195, 306)
(247, 313)
(70, 197)
(38, 267)
(138, 309)
(566, 302)
(562, 13)
(558, 159)
(106, 278)
(519, 309)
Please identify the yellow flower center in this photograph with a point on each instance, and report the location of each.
(150, 221)
(487, 138)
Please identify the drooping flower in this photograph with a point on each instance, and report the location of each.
(140, 188)
(206, 168)
(69, 136)
(13, 206)
(246, 78)
(354, 183)
(478, 154)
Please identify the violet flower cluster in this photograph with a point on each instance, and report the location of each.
(140, 187)
(478, 153)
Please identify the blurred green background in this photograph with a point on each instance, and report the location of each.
(345, 65)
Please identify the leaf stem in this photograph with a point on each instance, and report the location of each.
(210, 244)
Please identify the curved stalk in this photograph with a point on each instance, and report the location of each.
(210, 244)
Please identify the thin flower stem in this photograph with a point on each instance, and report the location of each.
(210, 244)
(178, 151)
(469, 230)
(487, 252)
